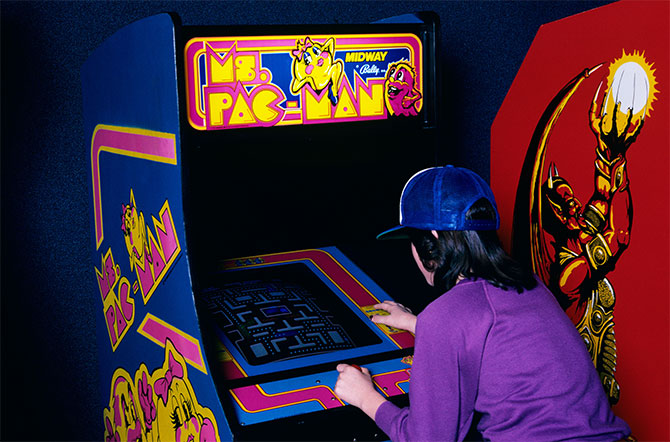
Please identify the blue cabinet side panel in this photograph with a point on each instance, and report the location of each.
(155, 380)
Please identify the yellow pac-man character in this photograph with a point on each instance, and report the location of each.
(314, 64)
(134, 233)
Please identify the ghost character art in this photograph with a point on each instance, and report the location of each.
(401, 93)
(574, 245)
(314, 65)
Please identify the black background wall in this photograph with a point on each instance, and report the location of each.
(49, 371)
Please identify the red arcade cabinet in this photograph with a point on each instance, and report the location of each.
(579, 146)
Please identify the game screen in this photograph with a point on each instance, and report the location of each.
(303, 310)
(277, 313)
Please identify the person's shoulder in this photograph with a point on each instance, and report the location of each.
(464, 303)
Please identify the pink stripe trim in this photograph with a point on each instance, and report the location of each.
(292, 117)
(154, 146)
(186, 347)
(404, 339)
(253, 399)
(390, 381)
(330, 267)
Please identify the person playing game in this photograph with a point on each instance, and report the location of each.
(494, 344)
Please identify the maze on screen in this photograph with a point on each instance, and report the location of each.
(275, 320)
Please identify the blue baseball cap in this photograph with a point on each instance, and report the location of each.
(438, 199)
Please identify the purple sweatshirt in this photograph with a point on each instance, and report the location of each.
(515, 358)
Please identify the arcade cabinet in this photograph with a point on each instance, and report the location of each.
(238, 179)
(579, 145)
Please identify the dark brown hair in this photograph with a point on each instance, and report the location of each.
(473, 254)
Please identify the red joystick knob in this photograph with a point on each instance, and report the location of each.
(357, 367)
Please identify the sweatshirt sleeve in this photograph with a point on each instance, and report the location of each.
(450, 337)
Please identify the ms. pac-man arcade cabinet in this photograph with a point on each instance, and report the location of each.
(237, 174)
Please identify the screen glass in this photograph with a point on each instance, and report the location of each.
(276, 313)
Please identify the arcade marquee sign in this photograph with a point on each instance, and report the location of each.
(239, 82)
